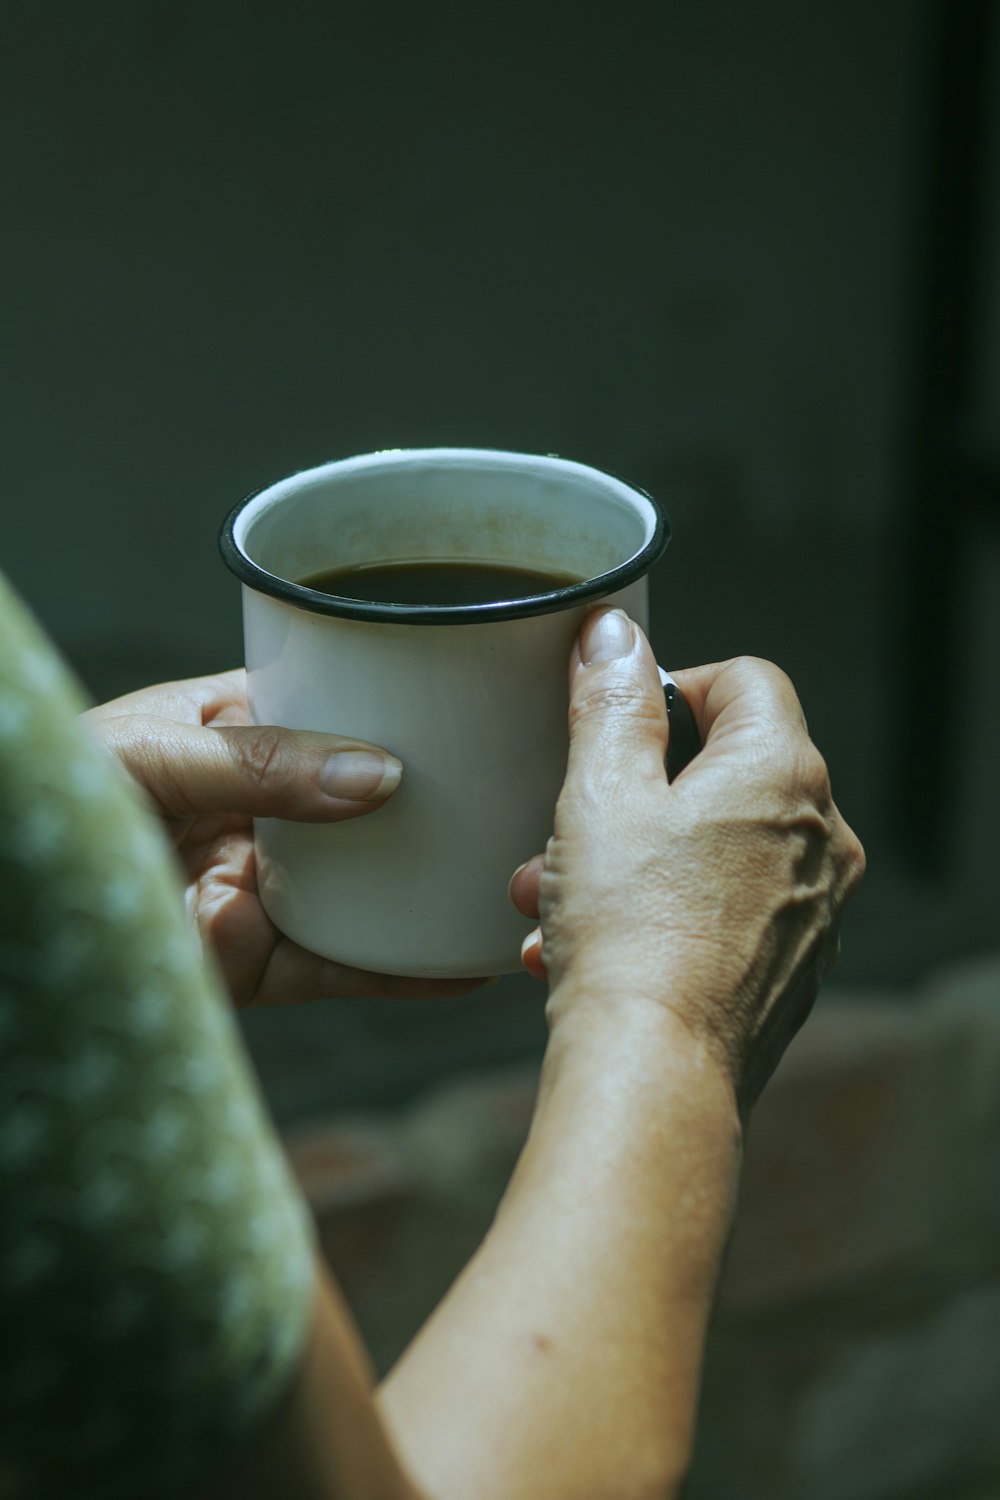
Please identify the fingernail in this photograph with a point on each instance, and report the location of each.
(606, 637)
(360, 775)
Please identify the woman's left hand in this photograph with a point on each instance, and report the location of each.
(208, 773)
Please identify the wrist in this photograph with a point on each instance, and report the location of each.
(640, 1038)
(643, 1120)
(649, 1104)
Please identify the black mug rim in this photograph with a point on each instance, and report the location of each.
(566, 597)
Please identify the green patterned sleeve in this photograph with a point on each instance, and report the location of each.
(156, 1264)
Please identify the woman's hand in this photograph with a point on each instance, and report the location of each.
(208, 772)
(717, 896)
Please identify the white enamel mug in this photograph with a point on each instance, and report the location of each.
(472, 699)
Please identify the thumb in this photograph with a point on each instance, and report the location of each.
(258, 771)
(617, 713)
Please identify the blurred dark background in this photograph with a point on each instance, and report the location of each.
(723, 250)
(746, 256)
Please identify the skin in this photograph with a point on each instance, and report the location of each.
(684, 930)
(207, 772)
(719, 895)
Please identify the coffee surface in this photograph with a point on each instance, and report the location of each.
(438, 583)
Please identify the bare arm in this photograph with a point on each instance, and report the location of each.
(684, 931)
(566, 1360)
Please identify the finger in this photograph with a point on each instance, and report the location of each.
(531, 955)
(523, 887)
(746, 695)
(293, 976)
(258, 771)
(263, 967)
(852, 860)
(218, 697)
(617, 716)
(226, 702)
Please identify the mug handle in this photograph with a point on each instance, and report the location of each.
(685, 741)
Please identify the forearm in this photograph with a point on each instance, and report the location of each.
(565, 1360)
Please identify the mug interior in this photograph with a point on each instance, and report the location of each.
(543, 513)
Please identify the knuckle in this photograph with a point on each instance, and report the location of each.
(849, 857)
(854, 857)
(144, 750)
(759, 669)
(771, 686)
(752, 665)
(257, 752)
(614, 701)
(792, 766)
(794, 761)
(814, 776)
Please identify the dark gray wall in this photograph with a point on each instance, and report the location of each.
(241, 239)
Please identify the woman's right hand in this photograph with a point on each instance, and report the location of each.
(716, 896)
(207, 773)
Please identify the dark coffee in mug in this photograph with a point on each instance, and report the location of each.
(438, 583)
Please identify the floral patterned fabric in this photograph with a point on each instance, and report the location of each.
(156, 1265)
